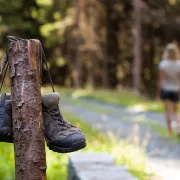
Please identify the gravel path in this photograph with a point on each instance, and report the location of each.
(163, 155)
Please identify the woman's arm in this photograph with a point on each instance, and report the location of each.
(159, 83)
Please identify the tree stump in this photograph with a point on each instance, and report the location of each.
(24, 60)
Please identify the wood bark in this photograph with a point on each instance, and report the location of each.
(24, 59)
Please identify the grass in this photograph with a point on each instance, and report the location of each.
(159, 129)
(93, 107)
(162, 131)
(125, 153)
(122, 97)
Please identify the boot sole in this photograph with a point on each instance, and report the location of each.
(75, 147)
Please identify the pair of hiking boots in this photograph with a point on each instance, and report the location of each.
(60, 135)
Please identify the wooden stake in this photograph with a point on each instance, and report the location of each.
(24, 59)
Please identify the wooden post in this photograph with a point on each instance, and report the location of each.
(24, 59)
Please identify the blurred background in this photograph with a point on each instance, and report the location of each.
(103, 57)
(104, 43)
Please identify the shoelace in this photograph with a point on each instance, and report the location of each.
(57, 115)
(42, 60)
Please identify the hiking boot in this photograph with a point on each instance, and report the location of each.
(61, 136)
(6, 133)
(4, 96)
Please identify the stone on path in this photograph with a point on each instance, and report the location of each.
(96, 166)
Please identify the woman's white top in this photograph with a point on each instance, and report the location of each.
(171, 70)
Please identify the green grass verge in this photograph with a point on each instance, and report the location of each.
(159, 129)
(94, 107)
(122, 97)
(130, 155)
(162, 131)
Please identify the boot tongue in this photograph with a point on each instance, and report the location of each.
(51, 100)
(4, 96)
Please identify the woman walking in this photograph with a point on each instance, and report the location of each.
(169, 83)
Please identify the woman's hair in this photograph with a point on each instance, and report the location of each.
(171, 47)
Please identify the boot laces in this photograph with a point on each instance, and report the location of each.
(58, 116)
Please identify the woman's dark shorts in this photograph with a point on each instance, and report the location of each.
(170, 95)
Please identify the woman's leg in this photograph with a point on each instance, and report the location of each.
(167, 105)
(175, 111)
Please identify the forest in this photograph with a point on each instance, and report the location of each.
(107, 44)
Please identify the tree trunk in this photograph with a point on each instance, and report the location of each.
(24, 59)
(106, 55)
(90, 69)
(77, 67)
(91, 43)
(112, 47)
(137, 45)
